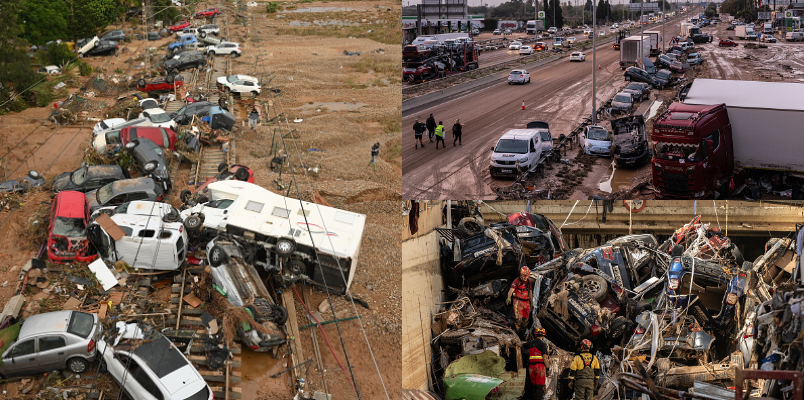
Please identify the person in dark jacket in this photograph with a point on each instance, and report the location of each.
(418, 130)
(456, 132)
(431, 126)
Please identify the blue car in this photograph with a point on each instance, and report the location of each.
(695, 59)
(183, 41)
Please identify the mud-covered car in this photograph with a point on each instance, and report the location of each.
(29, 181)
(629, 144)
(151, 160)
(89, 177)
(481, 257)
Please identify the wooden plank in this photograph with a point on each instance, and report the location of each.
(298, 354)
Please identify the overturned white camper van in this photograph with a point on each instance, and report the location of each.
(141, 241)
(294, 238)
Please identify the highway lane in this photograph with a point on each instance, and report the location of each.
(560, 93)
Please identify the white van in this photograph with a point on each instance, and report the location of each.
(794, 36)
(522, 146)
(272, 228)
(141, 241)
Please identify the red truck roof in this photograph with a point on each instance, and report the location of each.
(683, 117)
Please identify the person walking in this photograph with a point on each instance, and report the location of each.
(585, 372)
(431, 126)
(521, 289)
(253, 118)
(439, 135)
(538, 363)
(456, 132)
(418, 130)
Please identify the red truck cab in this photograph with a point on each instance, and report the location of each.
(692, 151)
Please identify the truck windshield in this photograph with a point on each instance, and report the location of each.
(676, 151)
(512, 146)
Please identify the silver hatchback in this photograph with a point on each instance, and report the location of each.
(52, 341)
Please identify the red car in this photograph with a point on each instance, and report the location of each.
(209, 12)
(66, 241)
(164, 137)
(165, 84)
(727, 43)
(180, 26)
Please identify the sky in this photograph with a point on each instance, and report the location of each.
(473, 3)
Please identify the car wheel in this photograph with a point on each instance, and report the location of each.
(222, 167)
(102, 368)
(131, 145)
(295, 267)
(170, 78)
(193, 223)
(216, 256)
(279, 314)
(77, 365)
(468, 226)
(172, 216)
(184, 195)
(150, 166)
(596, 286)
(628, 78)
(234, 54)
(141, 83)
(285, 247)
(242, 174)
(202, 35)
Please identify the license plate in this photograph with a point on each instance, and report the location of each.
(506, 170)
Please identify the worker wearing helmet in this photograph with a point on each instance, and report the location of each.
(537, 366)
(585, 372)
(521, 288)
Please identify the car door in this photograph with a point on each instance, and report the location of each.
(53, 352)
(123, 369)
(20, 358)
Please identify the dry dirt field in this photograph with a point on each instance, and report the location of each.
(344, 104)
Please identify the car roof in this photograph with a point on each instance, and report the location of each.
(148, 222)
(51, 322)
(520, 134)
(71, 204)
(133, 185)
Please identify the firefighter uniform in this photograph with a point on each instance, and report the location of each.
(585, 370)
(537, 370)
(521, 295)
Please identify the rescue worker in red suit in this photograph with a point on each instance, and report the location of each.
(521, 289)
(537, 366)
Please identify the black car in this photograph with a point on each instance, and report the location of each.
(185, 114)
(730, 28)
(629, 145)
(104, 47)
(185, 61)
(663, 61)
(116, 35)
(634, 74)
(154, 36)
(32, 180)
(640, 90)
(151, 160)
(663, 78)
(479, 257)
(88, 178)
(122, 191)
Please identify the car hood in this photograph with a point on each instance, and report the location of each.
(63, 182)
(183, 382)
(598, 143)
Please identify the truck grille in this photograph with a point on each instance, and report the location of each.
(675, 184)
(506, 162)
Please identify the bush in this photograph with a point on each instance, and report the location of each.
(54, 54)
(84, 69)
(272, 7)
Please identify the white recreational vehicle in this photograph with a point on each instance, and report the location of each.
(297, 239)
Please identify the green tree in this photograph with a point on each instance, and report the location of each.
(43, 20)
(16, 74)
(90, 17)
(588, 6)
(54, 54)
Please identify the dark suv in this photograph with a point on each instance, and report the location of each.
(634, 74)
(185, 61)
(104, 47)
(115, 34)
(151, 160)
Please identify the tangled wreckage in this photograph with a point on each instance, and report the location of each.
(686, 317)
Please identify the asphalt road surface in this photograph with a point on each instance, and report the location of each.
(559, 93)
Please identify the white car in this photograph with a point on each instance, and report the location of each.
(686, 45)
(50, 70)
(158, 117)
(87, 46)
(225, 48)
(209, 29)
(602, 33)
(514, 45)
(147, 365)
(577, 56)
(571, 40)
(141, 207)
(596, 140)
(523, 50)
(240, 84)
(107, 124)
(767, 38)
(518, 76)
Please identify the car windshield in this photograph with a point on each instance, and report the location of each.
(80, 176)
(70, 227)
(81, 324)
(622, 98)
(515, 146)
(159, 118)
(634, 86)
(674, 151)
(161, 356)
(105, 194)
(598, 134)
(663, 75)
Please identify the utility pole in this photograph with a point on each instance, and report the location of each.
(641, 24)
(664, 17)
(594, 63)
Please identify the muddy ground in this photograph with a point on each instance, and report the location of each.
(345, 104)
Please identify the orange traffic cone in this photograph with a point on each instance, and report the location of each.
(523, 104)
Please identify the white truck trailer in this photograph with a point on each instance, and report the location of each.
(655, 42)
(633, 49)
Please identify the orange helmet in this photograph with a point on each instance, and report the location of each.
(524, 271)
(586, 344)
(539, 332)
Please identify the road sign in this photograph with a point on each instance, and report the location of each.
(648, 6)
(788, 14)
(764, 15)
(541, 14)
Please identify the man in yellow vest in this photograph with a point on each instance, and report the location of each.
(439, 134)
(584, 372)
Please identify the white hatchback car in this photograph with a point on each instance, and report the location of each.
(240, 84)
(514, 45)
(571, 40)
(158, 117)
(147, 365)
(524, 50)
(596, 140)
(577, 56)
(518, 76)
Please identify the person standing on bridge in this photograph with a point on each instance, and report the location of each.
(456, 132)
(418, 130)
(431, 126)
(439, 134)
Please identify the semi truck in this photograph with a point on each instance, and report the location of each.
(655, 42)
(706, 145)
(534, 26)
(633, 49)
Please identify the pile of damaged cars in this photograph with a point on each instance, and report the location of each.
(681, 315)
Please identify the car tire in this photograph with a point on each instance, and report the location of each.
(193, 223)
(279, 314)
(131, 145)
(234, 54)
(141, 83)
(170, 78)
(77, 365)
(102, 367)
(150, 166)
(285, 247)
(184, 195)
(295, 267)
(255, 93)
(222, 167)
(628, 79)
(172, 216)
(216, 256)
(242, 174)
(596, 286)
(202, 35)
(468, 226)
